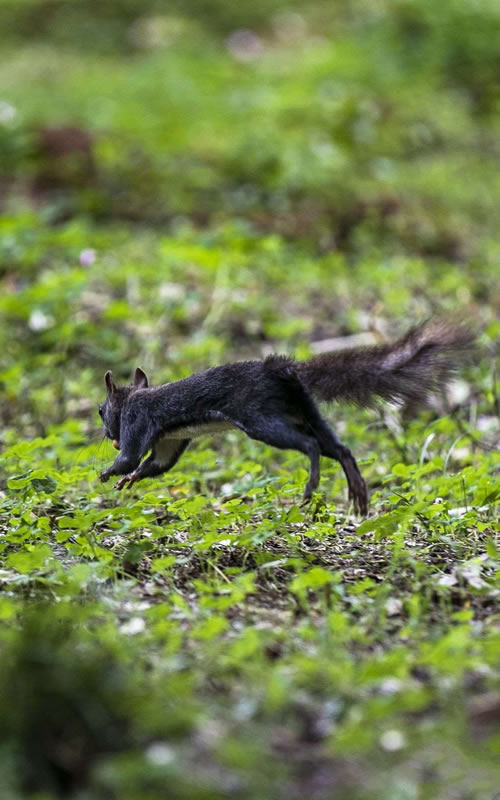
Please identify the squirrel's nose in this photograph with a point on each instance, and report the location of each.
(116, 444)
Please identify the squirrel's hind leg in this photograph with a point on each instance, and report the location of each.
(313, 423)
(333, 448)
(278, 432)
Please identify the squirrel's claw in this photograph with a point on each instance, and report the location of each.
(358, 496)
(130, 479)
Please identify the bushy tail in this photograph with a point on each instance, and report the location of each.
(406, 370)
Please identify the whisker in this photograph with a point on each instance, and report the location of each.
(96, 457)
(99, 461)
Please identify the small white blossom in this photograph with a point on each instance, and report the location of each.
(392, 740)
(391, 686)
(7, 112)
(393, 606)
(171, 291)
(39, 321)
(160, 753)
(133, 626)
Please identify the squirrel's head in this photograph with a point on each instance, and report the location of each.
(111, 410)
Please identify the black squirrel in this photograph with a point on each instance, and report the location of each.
(272, 401)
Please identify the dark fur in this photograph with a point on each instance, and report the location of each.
(406, 370)
(272, 401)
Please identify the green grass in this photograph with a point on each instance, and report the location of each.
(207, 632)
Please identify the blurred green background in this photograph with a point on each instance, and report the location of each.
(345, 122)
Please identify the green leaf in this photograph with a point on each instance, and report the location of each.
(295, 515)
(162, 563)
(47, 484)
(30, 560)
(209, 628)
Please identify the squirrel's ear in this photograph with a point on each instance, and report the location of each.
(110, 384)
(140, 379)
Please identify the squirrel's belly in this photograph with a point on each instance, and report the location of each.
(192, 431)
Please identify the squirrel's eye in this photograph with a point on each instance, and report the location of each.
(100, 410)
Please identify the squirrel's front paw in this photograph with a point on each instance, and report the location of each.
(104, 476)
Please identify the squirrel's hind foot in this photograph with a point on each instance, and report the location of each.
(130, 479)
